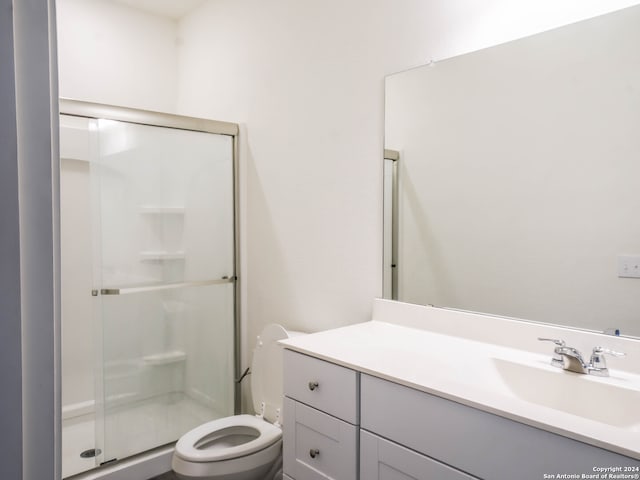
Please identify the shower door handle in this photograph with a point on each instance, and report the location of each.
(165, 286)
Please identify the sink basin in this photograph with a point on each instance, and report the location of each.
(594, 398)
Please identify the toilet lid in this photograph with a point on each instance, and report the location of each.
(266, 372)
(189, 446)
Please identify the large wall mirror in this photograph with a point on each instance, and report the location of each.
(517, 179)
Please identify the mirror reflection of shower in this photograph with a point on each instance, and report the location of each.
(148, 280)
(390, 225)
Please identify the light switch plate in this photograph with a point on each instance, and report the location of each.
(629, 266)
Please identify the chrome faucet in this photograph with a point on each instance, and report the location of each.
(571, 359)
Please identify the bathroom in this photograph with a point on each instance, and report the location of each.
(306, 85)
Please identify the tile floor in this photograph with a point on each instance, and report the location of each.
(166, 476)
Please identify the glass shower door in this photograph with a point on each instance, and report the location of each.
(163, 206)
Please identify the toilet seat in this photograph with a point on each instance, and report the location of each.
(266, 435)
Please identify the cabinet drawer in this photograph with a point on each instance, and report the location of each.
(318, 446)
(483, 444)
(383, 460)
(323, 385)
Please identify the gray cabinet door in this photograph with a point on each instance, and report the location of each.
(384, 460)
(318, 446)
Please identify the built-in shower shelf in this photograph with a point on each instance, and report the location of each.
(154, 210)
(165, 358)
(161, 256)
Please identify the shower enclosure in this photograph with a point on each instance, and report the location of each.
(149, 316)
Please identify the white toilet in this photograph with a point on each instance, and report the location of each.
(242, 447)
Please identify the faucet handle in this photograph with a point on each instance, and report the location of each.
(556, 360)
(602, 350)
(597, 364)
(560, 343)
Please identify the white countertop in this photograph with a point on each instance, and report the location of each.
(473, 373)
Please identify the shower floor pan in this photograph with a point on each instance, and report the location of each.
(142, 426)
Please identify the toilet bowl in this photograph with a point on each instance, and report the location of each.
(241, 447)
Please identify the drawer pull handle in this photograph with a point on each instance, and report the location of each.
(314, 452)
(313, 385)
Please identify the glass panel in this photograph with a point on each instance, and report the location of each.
(168, 365)
(78, 351)
(163, 202)
(166, 204)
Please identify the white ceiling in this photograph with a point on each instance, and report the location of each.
(174, 9)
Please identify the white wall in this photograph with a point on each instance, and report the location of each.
(109, 53)
(306, 81)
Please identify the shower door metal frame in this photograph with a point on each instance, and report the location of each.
(79, 108)
(393, 196)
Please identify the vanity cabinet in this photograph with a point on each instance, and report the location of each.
(344, 425)
(481, 444)
(321, 416)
